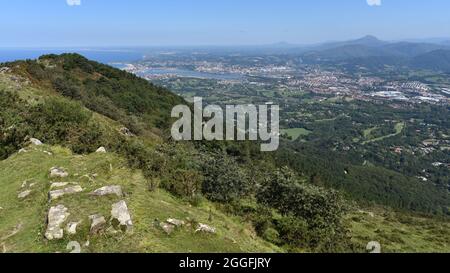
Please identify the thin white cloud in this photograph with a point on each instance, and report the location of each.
(374, 3)
(73, 2)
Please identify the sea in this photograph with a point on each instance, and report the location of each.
(100, 55)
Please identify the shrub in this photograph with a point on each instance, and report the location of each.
(224, 180)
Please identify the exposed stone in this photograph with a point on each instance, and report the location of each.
(47, 153)
(175, 222)
(24, 194)
(53, 195)
(58, 172)
(21, 151)
(121, 216)
(58, 185)
(98, 223)
(4, 69)
(108, 190)
(168, 228)
(72, 228)
(56, 217)
(75, 247)
(35, 142)
(101, 150)
(205, 228)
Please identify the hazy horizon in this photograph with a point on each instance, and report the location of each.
(175, 23)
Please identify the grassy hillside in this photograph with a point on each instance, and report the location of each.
(255, 204)
(400, 232)
(93, 171)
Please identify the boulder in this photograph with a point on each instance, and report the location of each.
(175, 222)
(98, 223)
(24, 194)
(108, 190)
(56, 217)
(35, 142)
(72, 228)
(58, 185)
(58, 172)
(101, 150)
(4, 69)
(121, 216)
(53, 195)
(167, 228)
(75, 247)
(205, 228)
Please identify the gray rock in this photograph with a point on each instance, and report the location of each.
(98, 223)
(58, 172)
(108, 190)
(21, 151)
(168, 228)
(24, 194)
(35, 142)
(101, 150)
(75, 247)
(205, 228)
(175, 222)
(53, 195)
(56, 217)
(72, 227)
(4, 69)
(121, 216)
(58, 185)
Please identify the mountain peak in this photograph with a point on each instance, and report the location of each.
(370, 38)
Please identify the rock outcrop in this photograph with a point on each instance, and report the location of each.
(56, 185)
(205, 228)
(24, 194)
(57, 172)
(167, 228)
(101, 150)
(175, 222)
(72, 228)
(36, 142)
(56, 217)
(53, 195)
(98, 223)
(108, 190)
(121, 216)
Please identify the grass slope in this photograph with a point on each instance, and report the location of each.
(400, 232)
(23, 222)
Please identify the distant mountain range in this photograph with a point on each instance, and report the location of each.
(370, 51)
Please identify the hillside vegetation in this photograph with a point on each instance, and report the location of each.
(247, 200)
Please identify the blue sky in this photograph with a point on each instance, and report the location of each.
(35, 23)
